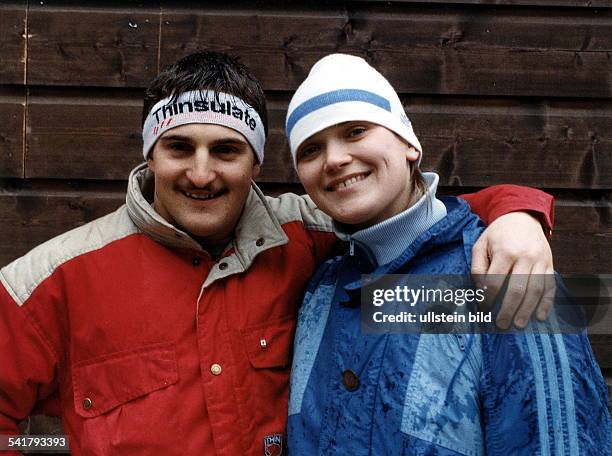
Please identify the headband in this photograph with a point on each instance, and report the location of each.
(208, 107)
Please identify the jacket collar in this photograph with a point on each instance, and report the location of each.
(450, 229)
(257, 230)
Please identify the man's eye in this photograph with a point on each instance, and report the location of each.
(179, 146)
(225, 150)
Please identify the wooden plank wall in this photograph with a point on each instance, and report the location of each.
(498, 91)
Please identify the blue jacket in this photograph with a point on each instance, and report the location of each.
(404, 394)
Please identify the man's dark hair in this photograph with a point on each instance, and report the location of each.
(207, 71)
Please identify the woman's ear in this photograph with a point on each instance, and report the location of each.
(412, 154)
(256, 170)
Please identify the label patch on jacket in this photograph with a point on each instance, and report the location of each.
(273, 445)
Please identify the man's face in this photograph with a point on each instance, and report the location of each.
(357, 172)
(203, 176)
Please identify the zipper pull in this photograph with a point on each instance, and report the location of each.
(351, 247)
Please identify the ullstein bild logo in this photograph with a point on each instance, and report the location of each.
(227, 108)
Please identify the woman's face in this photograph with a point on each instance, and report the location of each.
(357, 172)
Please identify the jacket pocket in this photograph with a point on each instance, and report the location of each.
(270, 345)
(104, 383)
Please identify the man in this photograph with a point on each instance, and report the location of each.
(166, 327)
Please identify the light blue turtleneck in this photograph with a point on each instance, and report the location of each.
(386, 240)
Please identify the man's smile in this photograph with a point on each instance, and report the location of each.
(203, 196)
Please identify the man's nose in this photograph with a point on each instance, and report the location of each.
(201, 172)
(336, 156)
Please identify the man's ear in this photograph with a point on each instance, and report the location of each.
(412, 154)
(256, 170)
(151, 162)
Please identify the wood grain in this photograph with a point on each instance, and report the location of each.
(86, 138)
(421, 49)
(559, 3)
(12, 106)
(12, 42)
(92, 46)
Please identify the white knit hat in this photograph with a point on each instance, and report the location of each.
(342, 88)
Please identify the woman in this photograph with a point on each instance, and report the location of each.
(533, 393)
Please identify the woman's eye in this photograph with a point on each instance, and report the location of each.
(308, 151)
(356, 131)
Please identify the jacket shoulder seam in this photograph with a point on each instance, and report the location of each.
(49, 249)
(288, 208)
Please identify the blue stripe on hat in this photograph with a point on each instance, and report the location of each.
(335, 96)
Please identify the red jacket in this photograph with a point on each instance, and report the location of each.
(143, 344)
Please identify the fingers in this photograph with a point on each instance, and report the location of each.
(548, 297)
(492, 280)
(480, 266)
(533, 295)
(515, 293)
(480, 257)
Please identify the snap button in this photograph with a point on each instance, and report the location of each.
(350, 380)
(87, 404)
(223, 266)
(196, 261)
(263, 342)
(260, 242)
(215, 369)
